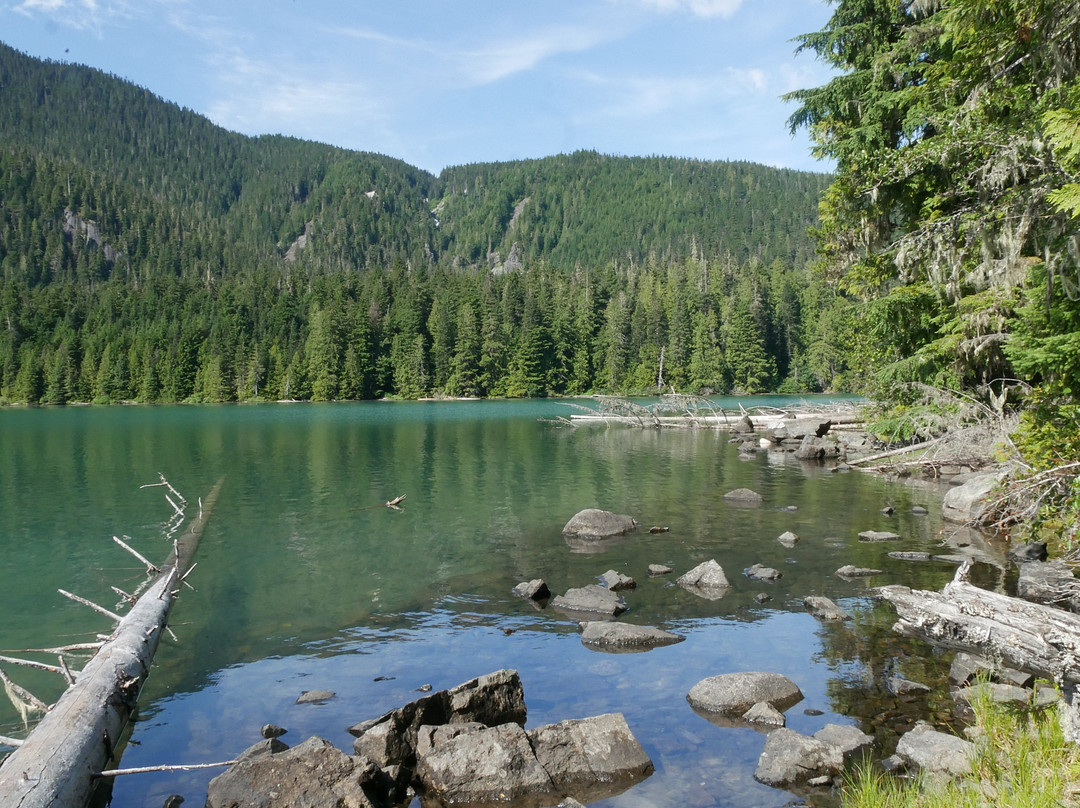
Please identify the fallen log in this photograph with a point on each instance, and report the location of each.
(1042, 640)
(55, 766)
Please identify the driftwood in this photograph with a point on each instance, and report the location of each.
(57, 764)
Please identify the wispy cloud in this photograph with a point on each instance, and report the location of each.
(699, 8)
(82, 15)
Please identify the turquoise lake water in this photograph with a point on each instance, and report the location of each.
(302, 585)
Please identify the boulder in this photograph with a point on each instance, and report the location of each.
(968, 503)
(795, 429)
(733, 694)
(591, 599)
(788, 539)
(849, 571)
(790, 758)
(593, 523)
(824, 609)
(762, 573)
(616, 581)
(764, 714)
(581, 753)
(535, 590)
(624, 636)
(485, 764)
(312, 774)
(851, 741)
(815, 448)
(936, 753)
(706, 580)
(497, 698)
(744, 496)
(878, 535)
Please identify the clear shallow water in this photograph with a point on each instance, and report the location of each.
(301, 585)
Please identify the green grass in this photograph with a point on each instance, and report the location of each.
(1022, 761)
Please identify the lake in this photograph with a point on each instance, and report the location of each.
(305, 581)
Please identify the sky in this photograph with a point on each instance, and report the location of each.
(439, 83)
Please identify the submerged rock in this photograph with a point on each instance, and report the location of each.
(878, 535)
(849, 571)
(593, 523)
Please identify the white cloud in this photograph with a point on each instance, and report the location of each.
(699, 8)
(82, 15)
(504, 58)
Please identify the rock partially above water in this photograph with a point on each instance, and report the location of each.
(788, 539)
(616, 581)
(624, 636)
(536, 589)
(315, 696)
(878, 535)
(849, 571)
(734, 693)
(745, 496)
(969, 503)
(659, 569)
(706, 580)
(593, 523)
(590, 599)
(824, 609)
(790, 758)
(762, 573)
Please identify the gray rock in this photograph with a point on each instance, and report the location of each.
(735, 693)
(270, 746)
(272, 731)
(624, 636)
(899, 686)
(497, 698)
(315, 696)
(903, 555)
(762, 597)
(761, 573)
(919, 510)
(707, 580)
(598, 524)
(616, 581)
(966, 668)
(795, 429)
(311, 774)
(851, 741)
(936, 752)
(743, 426)
(815, 448)
(997, 692)
(790, 758)
(536, 589)
(1049, 582)
(878, 535)
(765, 714)
(660, 569)
(480, 765)
(1032, 551)
(581, 753)
(848, 571)
(788, 539)
(824, 609)
(969, 502)
(590, 599)
(745, 496)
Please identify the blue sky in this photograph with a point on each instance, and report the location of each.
(446, 82)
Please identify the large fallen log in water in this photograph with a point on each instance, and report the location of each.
(56, 766)
(1040, 639)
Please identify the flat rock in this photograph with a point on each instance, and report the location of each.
(969, 502)
(905, 555)
(762, 573)
(315, 696)
(597, 524)
(936, 752)
(706, 580)
(899, 686)
(660, 569)
(878, 535)
(849, 571)
(536, 589)
(616, 581)
(851, 741)
(790, 758)
(824, 609)
(625, 636)
(998, 693)
(734, 693)
(313, 773)
(591, 599)
(744, 495)
(788, 539)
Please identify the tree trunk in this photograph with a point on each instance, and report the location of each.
(57, 765)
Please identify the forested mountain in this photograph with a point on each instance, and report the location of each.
(150, 255)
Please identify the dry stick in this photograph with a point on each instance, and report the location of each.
(67, 671)
(62, 649)
(894, 452)
(184, 767)
(149, 567)
(91, 604)
(31, 664)
(6, 741)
